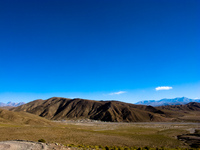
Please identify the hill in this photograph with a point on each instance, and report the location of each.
(192, 106)
(7, 116)
(58, 108)
(189, 112)
(165, 102)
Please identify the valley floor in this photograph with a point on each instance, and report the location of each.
(96, 133)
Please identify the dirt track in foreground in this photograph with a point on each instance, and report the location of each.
(28, 145)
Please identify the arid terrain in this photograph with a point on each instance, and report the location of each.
(94, 133)
(58, 108)
(30, 145)
(71, 123)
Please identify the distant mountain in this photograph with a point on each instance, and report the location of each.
(12, 104)
(185, 113)
(58, 108)
(165, 102)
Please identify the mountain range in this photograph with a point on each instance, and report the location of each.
(162, 102)
(58, 108)
(12, 104)
(165, 102)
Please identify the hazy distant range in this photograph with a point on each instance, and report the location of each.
(12, 104)
(162, 102)
(165, 102)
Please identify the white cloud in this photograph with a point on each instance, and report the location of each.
(117, 93)
(163, 88)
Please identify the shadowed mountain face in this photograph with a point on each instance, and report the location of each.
(62, 108)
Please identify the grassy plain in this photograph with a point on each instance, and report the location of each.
(101, 133)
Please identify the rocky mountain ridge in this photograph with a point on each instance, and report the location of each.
(58, 108)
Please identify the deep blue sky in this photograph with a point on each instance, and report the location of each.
(96, 48)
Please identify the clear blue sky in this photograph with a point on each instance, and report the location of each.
(99, 49)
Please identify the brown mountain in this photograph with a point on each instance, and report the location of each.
(57, 108)
(192, 106)
(189, 112)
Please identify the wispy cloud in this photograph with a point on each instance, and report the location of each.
(163, 88)
(117, 93)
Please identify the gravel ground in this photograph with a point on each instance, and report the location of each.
(28, 145)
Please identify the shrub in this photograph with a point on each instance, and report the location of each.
(126, 148)
(107, 148)
(70, 145)
(120, 148)
(147, 147)
(42, 140)
(115, 148)
(101, 147)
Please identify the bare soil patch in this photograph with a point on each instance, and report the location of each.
(29, 145)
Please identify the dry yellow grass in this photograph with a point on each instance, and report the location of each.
(117, 134)
(10, 117)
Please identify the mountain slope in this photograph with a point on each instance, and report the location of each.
(192, 106)
(7, 116)
(11, 104)
(188, 113)
(164, 102)
(57, 108)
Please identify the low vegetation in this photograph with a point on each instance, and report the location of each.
(102, 135)
(42, 140)
(100, 147)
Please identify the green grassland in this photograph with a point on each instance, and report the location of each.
(103, 134)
